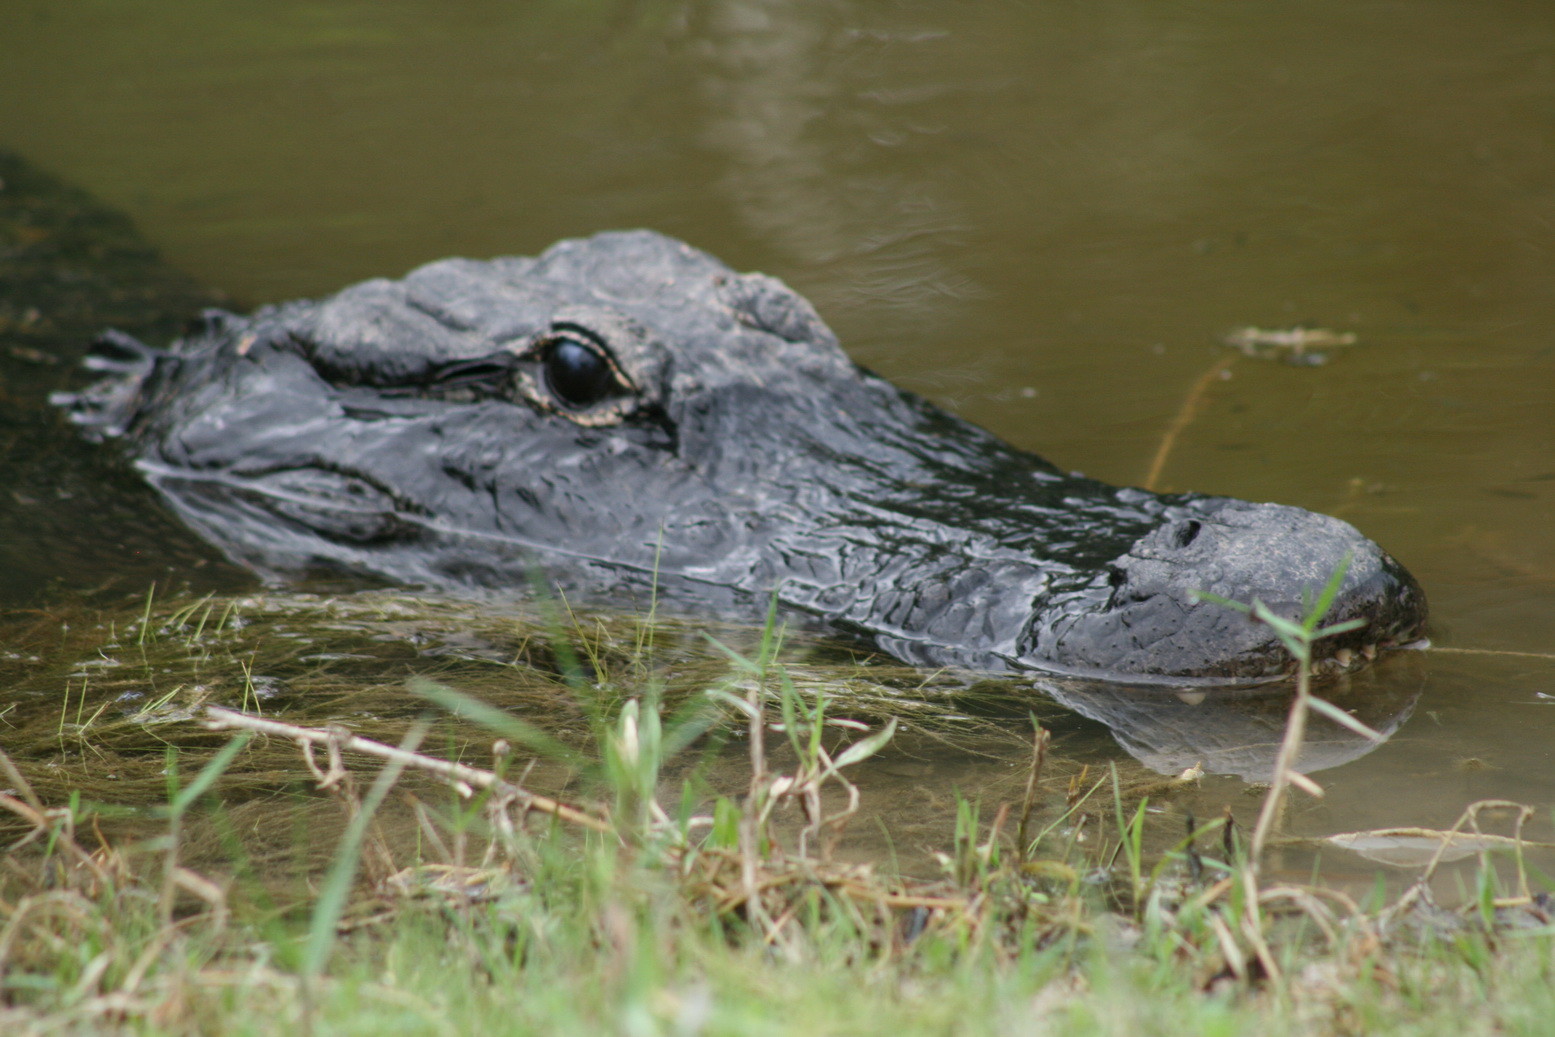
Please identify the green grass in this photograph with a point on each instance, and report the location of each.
(702, 898)
(590, 938)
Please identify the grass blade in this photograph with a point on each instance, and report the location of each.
(342, 871)
(864, 748)
(209, 773)
(519, 732)
(1343, 719)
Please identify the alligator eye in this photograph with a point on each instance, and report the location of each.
(576, 373)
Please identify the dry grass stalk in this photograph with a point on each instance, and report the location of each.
(1039, 743)
(55, 821)
(461, 776)
(1419, 890)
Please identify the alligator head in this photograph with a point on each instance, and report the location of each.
(625, 412)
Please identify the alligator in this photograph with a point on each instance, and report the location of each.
(625, 416)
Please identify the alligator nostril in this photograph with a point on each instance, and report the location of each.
(1186, 533)
(1116, 577)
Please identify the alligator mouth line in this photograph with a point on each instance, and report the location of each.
(160, 473)
(1347, 660)
(1343, 662)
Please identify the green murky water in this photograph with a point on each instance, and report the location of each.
(1043, 216)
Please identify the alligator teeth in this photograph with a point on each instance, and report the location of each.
(1343, 657)
(1192, 698)
(1369, 652)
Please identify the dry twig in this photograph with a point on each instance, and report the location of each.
(462, 777)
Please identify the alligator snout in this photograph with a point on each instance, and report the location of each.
(1154, 620)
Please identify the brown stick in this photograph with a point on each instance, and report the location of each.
(1185, 415)
(1490, 651)
(219, 719)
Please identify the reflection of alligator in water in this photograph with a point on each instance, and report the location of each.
(624, 410)
(1237, 731)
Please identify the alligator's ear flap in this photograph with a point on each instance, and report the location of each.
(769, 305)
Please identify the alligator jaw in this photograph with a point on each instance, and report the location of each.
(1151, 620)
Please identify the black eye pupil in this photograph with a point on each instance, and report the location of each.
(576, 373)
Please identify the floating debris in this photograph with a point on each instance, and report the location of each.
(1300, 346)
(1416, 847)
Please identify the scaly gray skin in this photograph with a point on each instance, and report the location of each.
(418, 430)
